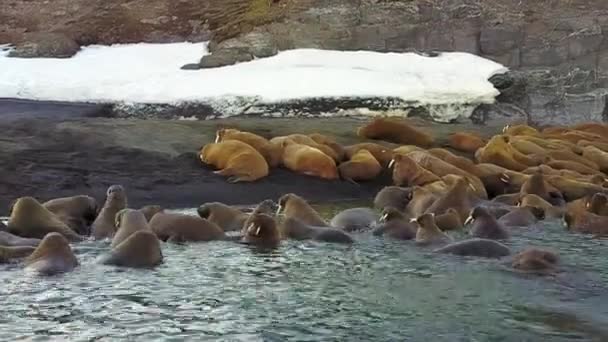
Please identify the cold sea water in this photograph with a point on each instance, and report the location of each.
(374, 290)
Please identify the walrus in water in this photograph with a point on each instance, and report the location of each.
(522, 216)
(449, 220)
(30, 219)
(128, 222)
(140, 250)
(104, 225)
(53, 255)
(262, 230)
(485, 226)
(11, 253)
(598, 204)
(535, 260)
(267, 206)
(292, 205)
(9, 240)
(457, 198)
(354, 219)
(394, 224)
(537, 185)
(476, 247)
(78, 212)
(295, 229)
(150, 210)
(226, 217)
(393, 196)
(181, 228)
(428, 233)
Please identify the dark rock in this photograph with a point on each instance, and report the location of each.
(225, 57)
(45, 45)
(498, 39)
(191, 66)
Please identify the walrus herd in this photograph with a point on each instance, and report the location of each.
(491, 188)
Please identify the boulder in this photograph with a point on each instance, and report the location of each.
(45, 45)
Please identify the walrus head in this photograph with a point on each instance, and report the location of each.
(262, 228)
(267, 206)
(476, 213)
(116, 195)
(219, 135)
(390, 213)
(284, 200)
(424, 220)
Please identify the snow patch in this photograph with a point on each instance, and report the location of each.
(449, 85)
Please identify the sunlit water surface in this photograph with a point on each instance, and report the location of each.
(375, 290)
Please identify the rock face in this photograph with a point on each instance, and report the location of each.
(45, 45)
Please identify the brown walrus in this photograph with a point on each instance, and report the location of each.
(354, 219)
(597, 156)
(53, 255)
(534, 260)
(262, 230)
(383, 154)
(394, 224)
(325, 140)
(598, 204)
(485, 225)
(226, 217)
(11, 253)
(465, 142)
(271, 152)
(128, 222)
(140, 250)
(421, 200)
(537, 185)
(428, 233)
(77, 212)
(302, 139)
(150, 210)
(406, 172)
(292, 205)
(532, 200)
(9, 240)
(104, 225)
(308, 160)
(295, 229)
(498, 151)
(182, 228)
(522, 216)
(362, 166)
(457, 198)
(30, 219)
(267, 206)
(236, 160)
(393, 196)
(449, 220)
(396, 131)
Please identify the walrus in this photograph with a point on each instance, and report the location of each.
(31, 220)
(3, 227)
(598, 204)
(292, 205)
(150, 210)
(535, 260)
(262, 230)
(394, 224)
(362, 166)
(9, 254)
(225, 216)
(535, 201)
(573, 189)
(393, 196)
(405, 149)
(573, 136)
(548, 170)
(236, 160)
(600, 129)
(272, 153)
(465, 142)
(140, 250)
(526, 147)
(485, 248)
(267, 207)
(597, 156)
(396, 131)
(294, 228)
(302, 139)
(522, 217)
(354, 219)
(602, 146)
(383, 154)
(567, 155)
(520, 129)
(77, 212)
(449, 220)
(421, 200)
(537, 185)
(462, 163)
(572, 166)
(183, 228)
(498, 151)
(406, 172)
(104, 225)
(428, 233)
(308, 160)
(456, 197)
(128, 222)
(333, 144)
(485, 226)
(9, 240)
(52, 256)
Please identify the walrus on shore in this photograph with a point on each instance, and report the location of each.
(394, 224)
(485, 226)
(537, 185)
(396, 131)
(53, 255)
(522, 216)
(302, 139)
(465, 142)
(9, 254)
(597, 156)
(226, 217)
(534, 260)
(383, 154)
(328, 141)
(9, 240)
(292, 205)
(602, 146)
(272, 153)
(308, 160)
(150, 210)
(428, 233)
(393, 196)
(520, 129)
(183, 228)
(600, 129)
(485, 248)
(526, 147)
(128, 222)
(295, 229)
(498, 151)
(262, 230)
(363, 166)
(462, 163)
(78, 212)
(406, 172)
(354, 219)
(104, 225)
(140, 250)
(30, 219)
(236, 160)
(456, 197)
(573, 189)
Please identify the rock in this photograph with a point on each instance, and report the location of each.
(498, 39)
(191, 66)
(47, 45)
(225, 57)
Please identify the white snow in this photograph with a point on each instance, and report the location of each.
(149, 73)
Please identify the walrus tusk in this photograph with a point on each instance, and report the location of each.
(505, 178)
(504, 129)
(469, 219)
(414, 220)
(383, 218)
(257, 231)
(588, 205)
(250, 227)
(391, 163)
(217, 138)
(279, 210)
(472, 187)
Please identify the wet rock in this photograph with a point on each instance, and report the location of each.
(226, 57)
(45, 45)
